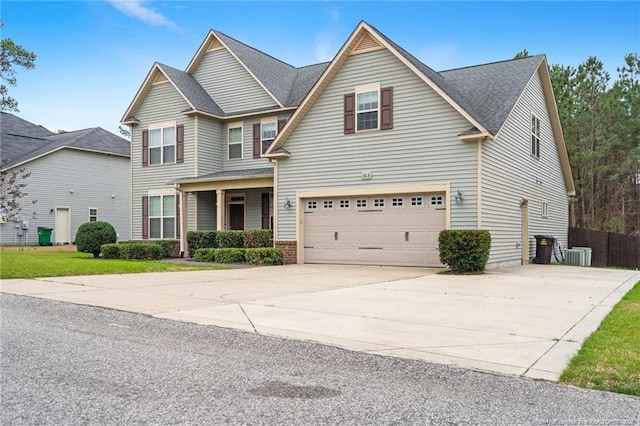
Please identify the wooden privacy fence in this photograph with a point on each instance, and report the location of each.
(607, 248)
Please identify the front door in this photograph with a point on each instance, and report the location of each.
(236, 216)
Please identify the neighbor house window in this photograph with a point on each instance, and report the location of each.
(93, 215)
(235, 140)
(367, 110)
(535, 136)
(162, 216)
(162, 145)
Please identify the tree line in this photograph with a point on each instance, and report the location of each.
(601, 124)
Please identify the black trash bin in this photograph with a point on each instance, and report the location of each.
(44, 236)
(544, 248)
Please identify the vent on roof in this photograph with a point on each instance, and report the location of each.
(366, 44)
(160, 78)
(214, 44)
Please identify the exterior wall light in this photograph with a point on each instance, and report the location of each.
(287, 203)
(459, 197)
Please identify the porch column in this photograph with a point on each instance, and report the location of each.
(220, 209)
(184, 221)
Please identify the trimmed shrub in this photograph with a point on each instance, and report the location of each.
(140, 251)
(464, 250)
(111, 251)
(264, 256)
(204, 255)
(257, 238)
(230, 239)
(92, 235)
(229, 255)
(170, 248)
(200, 239)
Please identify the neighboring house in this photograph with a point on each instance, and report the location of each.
(379, 153)
(76, 177)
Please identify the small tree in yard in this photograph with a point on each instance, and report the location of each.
(92, 235)
(12, 185)
(464, 250)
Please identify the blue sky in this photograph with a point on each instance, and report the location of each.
(92, 56)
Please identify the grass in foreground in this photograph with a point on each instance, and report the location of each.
(610, 358)
(36, 264)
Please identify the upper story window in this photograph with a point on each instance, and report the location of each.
(535, 136)
(264, 133)
(235, 140)
(367, 110)
(370, 107)
(163, 143)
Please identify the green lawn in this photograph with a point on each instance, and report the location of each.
(610, 358)
(34, 264)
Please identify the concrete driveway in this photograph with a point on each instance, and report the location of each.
(527, 320)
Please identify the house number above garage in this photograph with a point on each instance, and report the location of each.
(366, 175)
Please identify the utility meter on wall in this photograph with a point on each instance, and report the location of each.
(25, 225)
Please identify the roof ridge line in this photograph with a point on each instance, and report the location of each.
(492, 63)
(255, 49)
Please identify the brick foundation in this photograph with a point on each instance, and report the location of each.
(289, 250)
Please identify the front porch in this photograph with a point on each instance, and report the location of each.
(228, 200)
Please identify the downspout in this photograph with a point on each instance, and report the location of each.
(274, 161)
(479, 181)
(182, 219)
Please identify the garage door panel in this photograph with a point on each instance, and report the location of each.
(398, 230)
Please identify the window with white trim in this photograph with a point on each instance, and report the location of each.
(397, 202)
(344, 204)
(378, 202)
(416, 201)
(268, 132)
(367, 108)
(328, 204)
(162, 145)
(312, 205)
(535, 136)
(361, 204)
(545, 209)
(162, 216)
(436, 200)
(93, 215)
(235, 140)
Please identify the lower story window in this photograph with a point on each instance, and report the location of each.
(93, 215)
(162, 216)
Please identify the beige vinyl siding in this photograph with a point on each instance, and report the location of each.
(510, 173)
(422, 148)
(93, 177)
(230, 84)
(211, 145)
(162, 103)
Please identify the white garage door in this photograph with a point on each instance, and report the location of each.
(375, 230)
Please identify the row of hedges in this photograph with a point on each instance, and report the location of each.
(132, 251)
(170, 248)
(251, 256)
(257, 238)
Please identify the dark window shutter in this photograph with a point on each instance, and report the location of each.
(265, 210)
(145, 217)
(256, 141)
(178, 200)
(145, 148)
(180, 144)
(386, 108)
(281, 124)
(349, 113)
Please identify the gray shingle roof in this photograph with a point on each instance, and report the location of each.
(192, 90)
(229, 174)
(22, 141)
(306, 77)
(489, 92)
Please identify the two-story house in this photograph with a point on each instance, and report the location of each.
(379, 152)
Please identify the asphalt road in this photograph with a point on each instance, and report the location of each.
(69, 364)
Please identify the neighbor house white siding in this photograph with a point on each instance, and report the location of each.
(511, 174)
(99, 181)
(422, 148)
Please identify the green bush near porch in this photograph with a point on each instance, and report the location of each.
(264, 256)
(132, 251)
(255, 238)
(200, 240)
(230, 239)
(252, 256)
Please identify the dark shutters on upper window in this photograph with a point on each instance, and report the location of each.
(281, 124)
(145, 217)
(386, 108)
(180, 143)
(145, 148)
(256, 140)
(349, 113)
